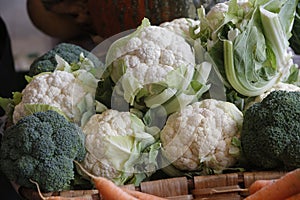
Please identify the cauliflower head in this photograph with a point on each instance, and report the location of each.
(203, 135)
(216, 14)
(118, 147)
(181, 26)
(150, 53)
(153, 66)
(71, 93)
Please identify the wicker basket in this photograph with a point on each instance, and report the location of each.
(231, 186)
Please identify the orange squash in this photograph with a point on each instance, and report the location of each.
(113, 16)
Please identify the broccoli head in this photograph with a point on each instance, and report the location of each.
(270, 136)
(42, 147)
(69, 52)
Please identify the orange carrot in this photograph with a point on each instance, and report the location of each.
(107, 189)
(142, 195)
(259, 184)
(56, 197)
(294, 197)
(282, 188)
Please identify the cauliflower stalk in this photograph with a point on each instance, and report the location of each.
(153, 67)
(203, 137)
(69, 92)
(120, 147)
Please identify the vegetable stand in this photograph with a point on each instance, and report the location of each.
(164, 112)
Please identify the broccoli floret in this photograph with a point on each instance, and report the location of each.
(42, 147)
(49, 169)
(69, 52)
(270, 135)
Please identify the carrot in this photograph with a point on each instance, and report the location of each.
(282, 188)
(259, 184)
(294, 197)
(56, 197)
(142, 195)
(107, 189)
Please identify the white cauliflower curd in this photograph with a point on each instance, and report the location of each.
(117, 147)
(151, 53)
(181, 26)
(203, 135)
(154, 66)
(71, 93)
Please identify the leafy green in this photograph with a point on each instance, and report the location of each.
(8, 104)
(249, 44)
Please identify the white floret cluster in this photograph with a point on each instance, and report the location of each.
(201, 134)
(59, 89)
(155, 51)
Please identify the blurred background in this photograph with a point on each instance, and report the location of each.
(36, 26)
(26, 40)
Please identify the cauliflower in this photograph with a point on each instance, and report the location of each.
(181, 26)
(216, 14)
(203, 135)
(71, 93)
(153, 52)
(152, 66)
(119, 147)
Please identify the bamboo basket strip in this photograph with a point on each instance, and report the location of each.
(166, 187)
(182, 197)
(77, 193)
(250, 177)
(231, 186)
(209, 181)
(228, 196)
(221, 186)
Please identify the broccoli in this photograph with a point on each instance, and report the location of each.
(69, 52)
(42, 147)
(270, 135)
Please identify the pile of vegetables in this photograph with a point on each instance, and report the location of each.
(186, 97)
